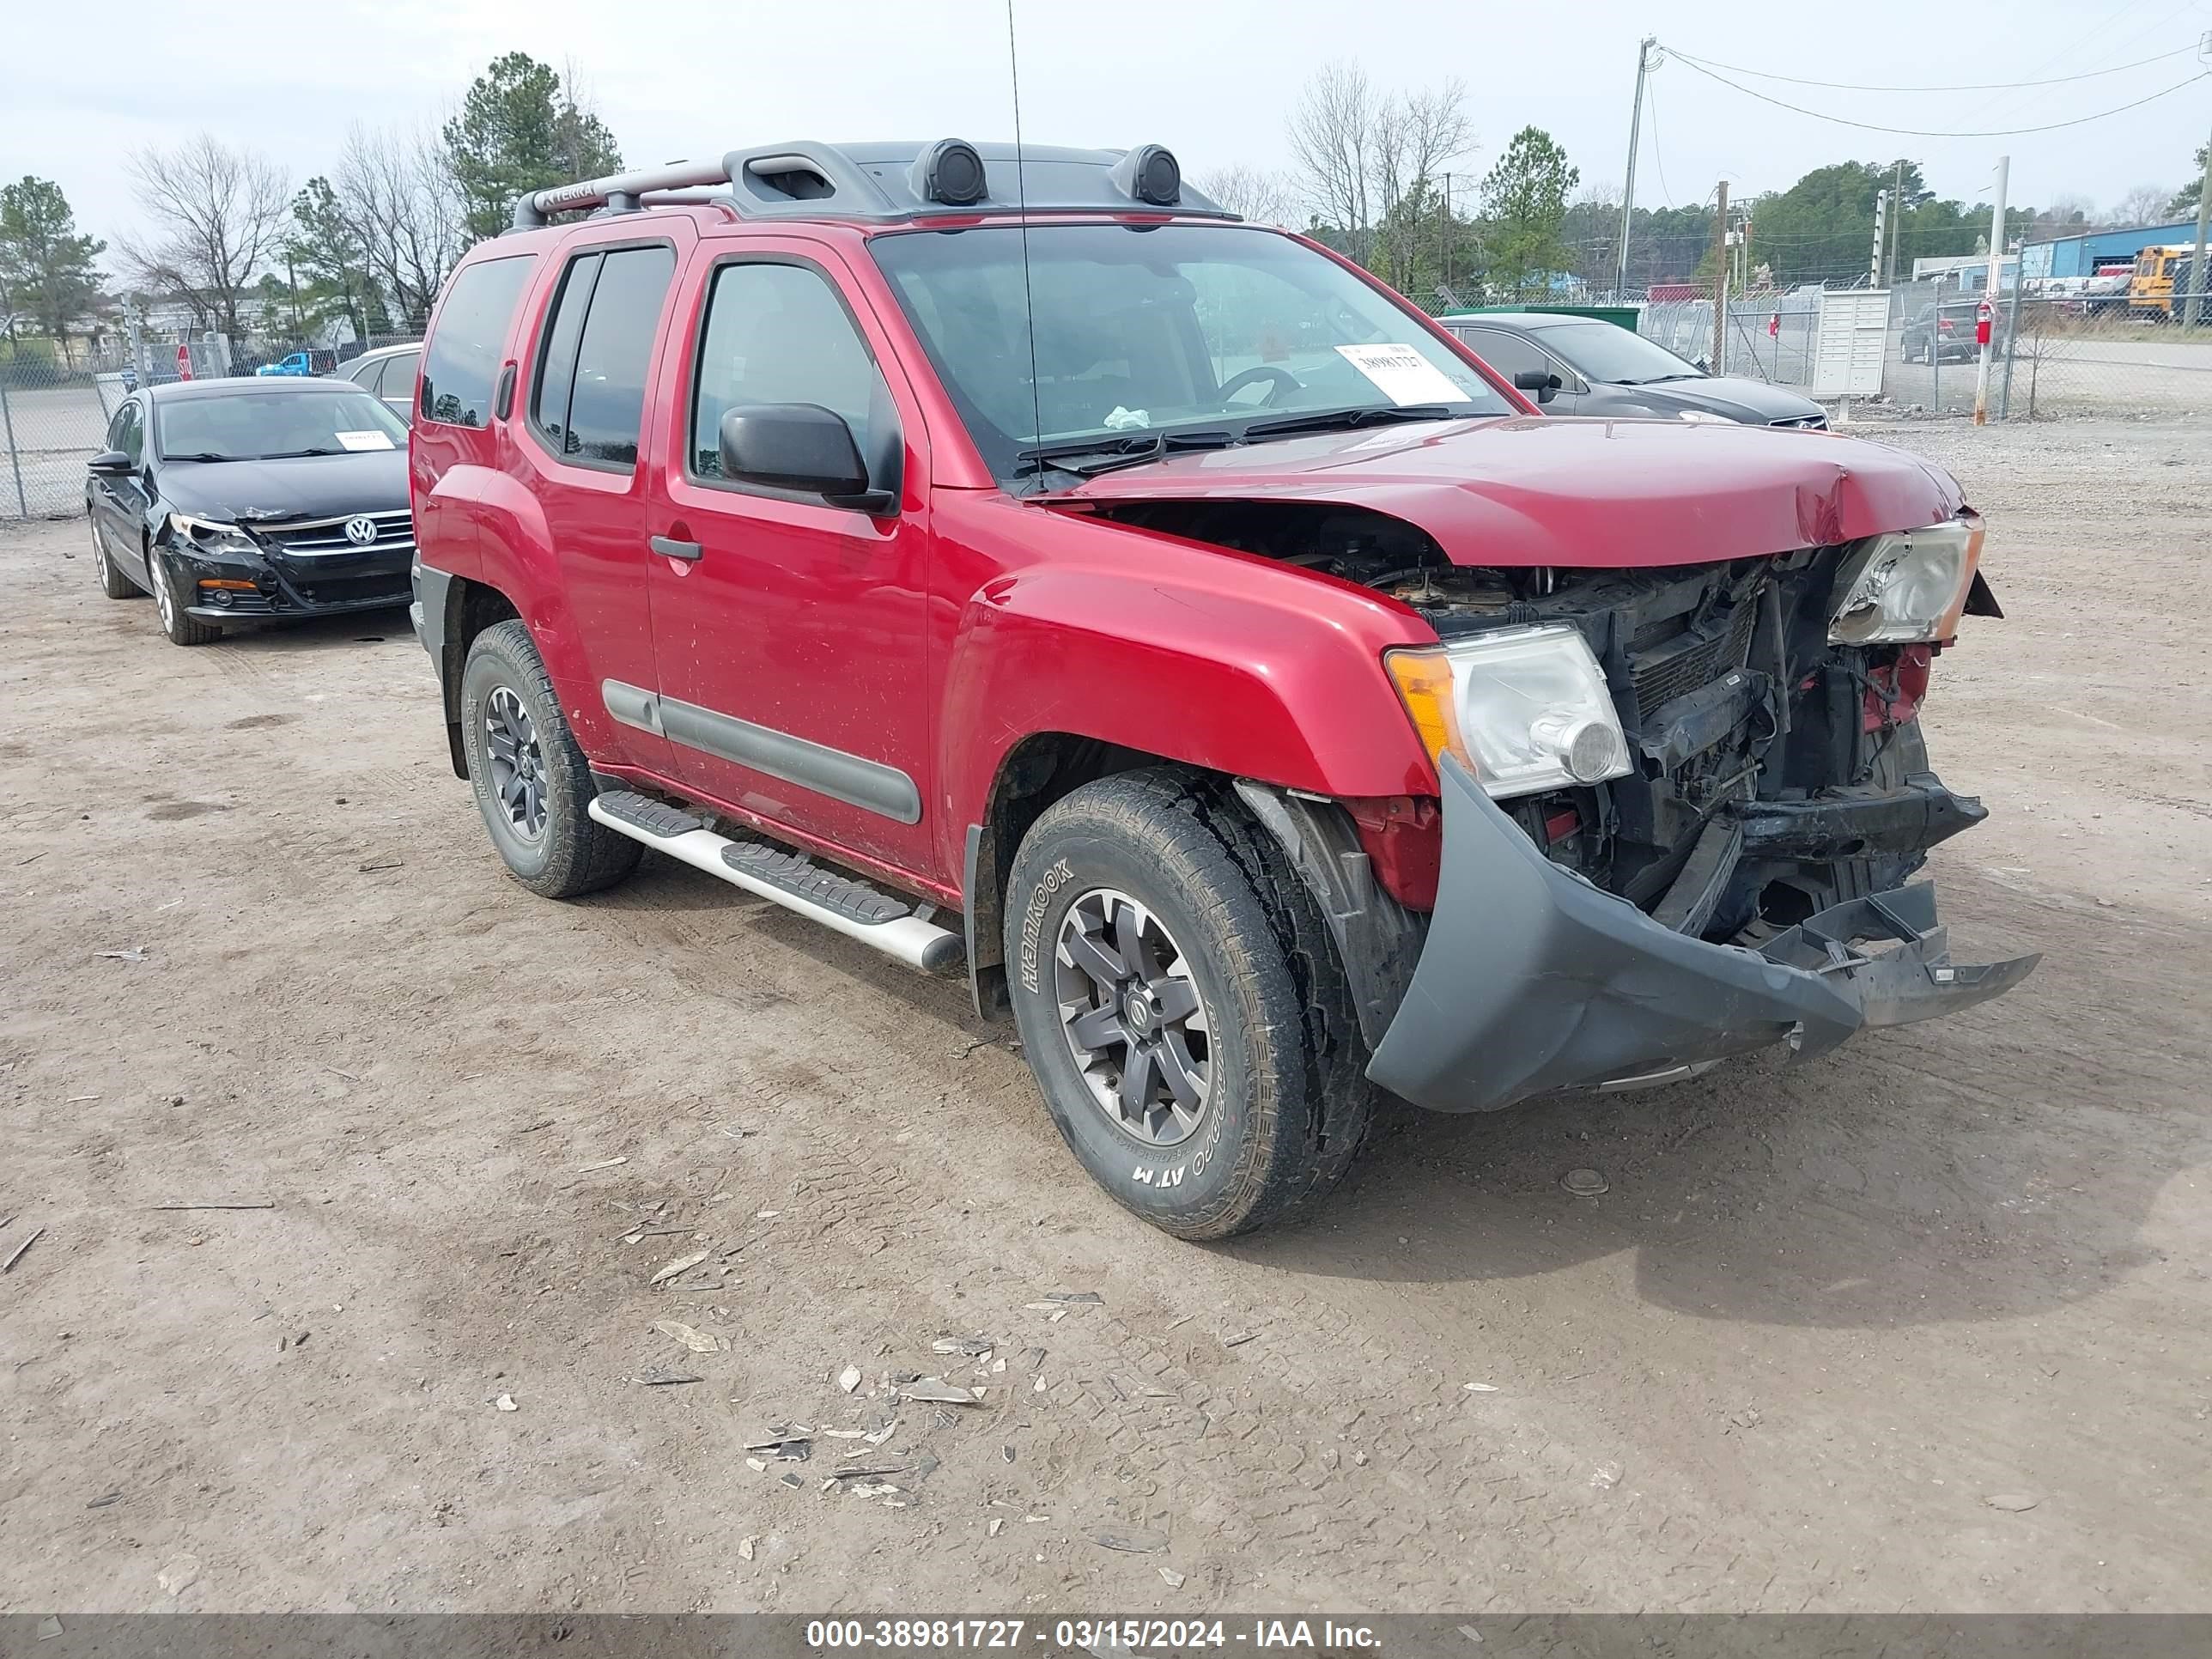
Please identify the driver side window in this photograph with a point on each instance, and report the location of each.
(1508, 353)
(777, 334)
(129, 434)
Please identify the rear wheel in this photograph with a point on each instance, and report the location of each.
(1181, 1004)
(532, 783)
(181, 628)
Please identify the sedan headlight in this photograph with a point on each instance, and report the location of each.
(209, 535)
(1908, 587)
(1702, 417)
(1523, 708)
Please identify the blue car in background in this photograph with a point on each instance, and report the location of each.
(304, 363)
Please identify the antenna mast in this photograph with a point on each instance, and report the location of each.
(1022, 206)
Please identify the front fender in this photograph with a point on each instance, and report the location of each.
(1215, 659)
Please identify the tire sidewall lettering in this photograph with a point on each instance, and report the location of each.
(1033, 920)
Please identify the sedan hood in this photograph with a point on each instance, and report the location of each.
(1539, 490)
(1750, 401)
(307, 487)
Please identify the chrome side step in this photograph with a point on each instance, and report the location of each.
(844, 904)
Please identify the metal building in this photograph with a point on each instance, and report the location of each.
(2080, 256)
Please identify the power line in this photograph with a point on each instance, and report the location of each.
(1972, 86)
(1931, 132)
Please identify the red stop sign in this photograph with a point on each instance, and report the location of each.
(183, 363)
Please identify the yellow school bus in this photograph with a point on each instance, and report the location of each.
(2150, 291)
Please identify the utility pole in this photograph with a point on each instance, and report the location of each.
(1990, 293)
(2193, 311)
(1720, 281)
(1881, 215)
(1645, 63)
(1443, 234)
(1896, 220)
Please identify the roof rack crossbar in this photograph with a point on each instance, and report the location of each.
(536, 207)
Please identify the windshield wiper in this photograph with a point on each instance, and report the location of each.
(1343, 420)
(295, 454)
(198, 455)
(1086, 458)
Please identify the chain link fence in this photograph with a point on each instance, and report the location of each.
(2053, 354)
(55, 410)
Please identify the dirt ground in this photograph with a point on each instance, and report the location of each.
(1926, 1324)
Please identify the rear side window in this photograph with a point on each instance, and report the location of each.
(462, 359)
(556, 363)
(589, 400)
(399, 375)
(777, 334)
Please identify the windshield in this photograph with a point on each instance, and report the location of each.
(263, 426)
(1146, 329)
(1601, 351)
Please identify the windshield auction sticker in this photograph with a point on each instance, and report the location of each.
(1402, 375)
(373, 440)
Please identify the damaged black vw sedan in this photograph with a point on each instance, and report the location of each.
(251, 500)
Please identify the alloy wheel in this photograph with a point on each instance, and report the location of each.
(517, 768)
(164, 600)
(1133, 1018)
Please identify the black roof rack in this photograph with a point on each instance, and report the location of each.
(889, 183)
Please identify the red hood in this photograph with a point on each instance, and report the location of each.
(1541, 490)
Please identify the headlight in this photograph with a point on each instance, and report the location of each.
(210, 535)
(1704, 416)
(1908, 587)
(1524, 708)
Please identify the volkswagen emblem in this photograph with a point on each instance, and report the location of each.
(361, 530)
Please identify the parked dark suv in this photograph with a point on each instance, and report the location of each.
(1023, 567)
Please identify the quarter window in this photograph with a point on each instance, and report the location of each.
(589, 402)
(462, 359)
(777, 334)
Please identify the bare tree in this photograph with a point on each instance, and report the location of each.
(2143, 205)
(217, 214)
(1368, 160)
(399, 196)
(1265, 198)
(1332, 130)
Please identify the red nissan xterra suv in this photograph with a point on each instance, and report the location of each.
(1027, 566)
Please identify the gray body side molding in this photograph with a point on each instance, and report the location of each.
(853, 779)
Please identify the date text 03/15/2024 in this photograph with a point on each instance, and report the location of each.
(831, 1635)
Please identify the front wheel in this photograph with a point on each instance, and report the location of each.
(181, 628)
(533, 784)
(1181, 1004)
(113, 582)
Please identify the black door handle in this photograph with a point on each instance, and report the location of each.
(673, 550)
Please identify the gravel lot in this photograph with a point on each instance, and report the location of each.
(1923, 1326)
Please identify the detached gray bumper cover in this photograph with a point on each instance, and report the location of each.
(1532, 980)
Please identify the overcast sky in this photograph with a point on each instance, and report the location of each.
(82, 87)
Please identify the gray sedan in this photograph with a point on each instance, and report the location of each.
(1583, 366)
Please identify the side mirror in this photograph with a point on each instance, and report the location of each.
(801, 447)
(1541, 381)
(112, 463)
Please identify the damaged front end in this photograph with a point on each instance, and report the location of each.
(1676, 802)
